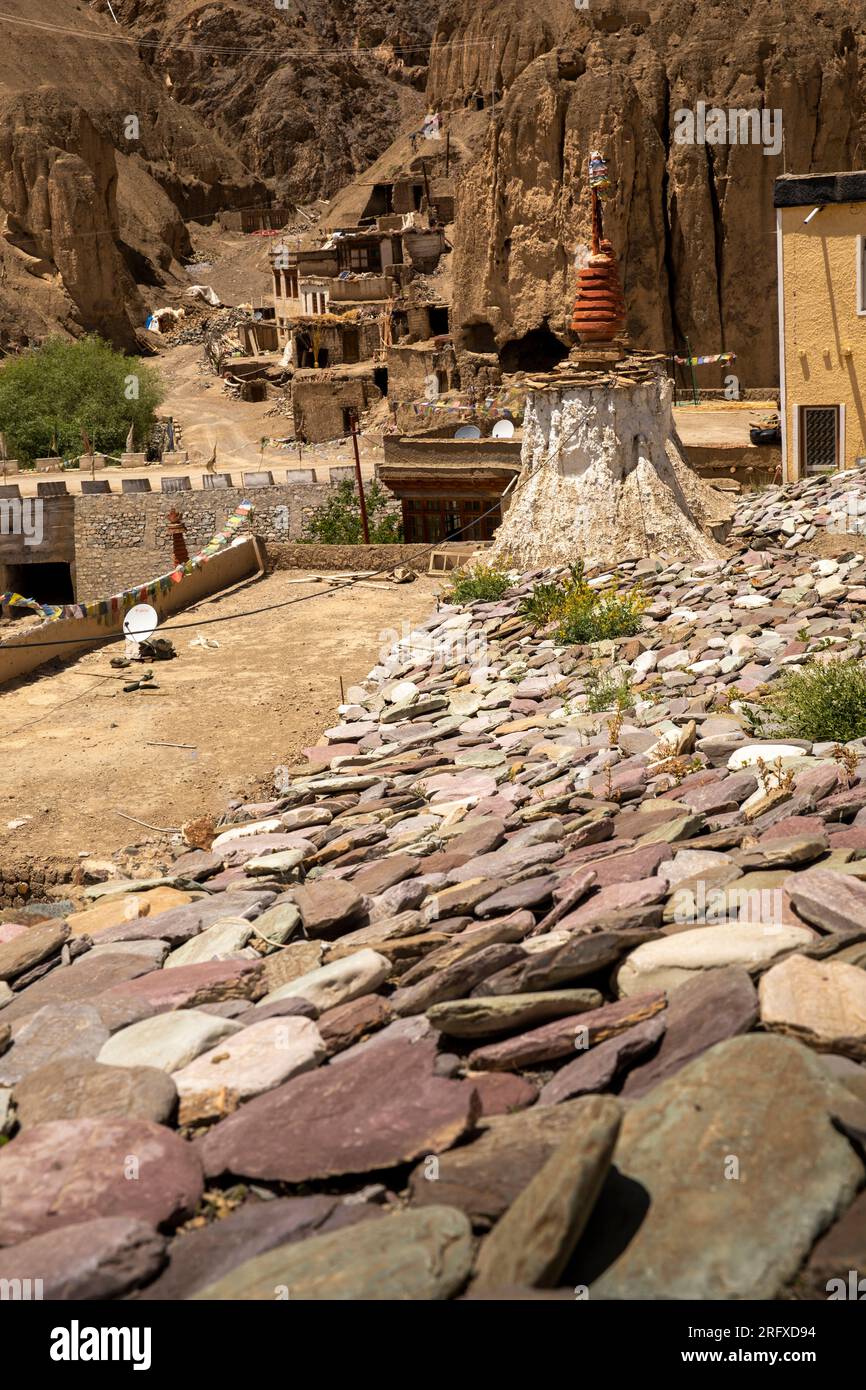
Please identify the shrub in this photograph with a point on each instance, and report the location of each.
(49, 394)
(542, 605)
(583, 614)
(338, 520)
(822, 701)
(606, 690)
(484, 583)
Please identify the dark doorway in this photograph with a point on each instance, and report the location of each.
(380, 379)
(47, 583)
(351, 345)
(537, 351)
(348, 416)
(438, 319)
(380, 202)
(323, 358)
(479, 337)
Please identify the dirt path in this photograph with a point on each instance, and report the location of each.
(76, 749)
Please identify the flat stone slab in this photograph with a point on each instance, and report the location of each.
(82, 982)
(716, 1005)
(99, 1259)
(821, 1002)
(672, 960)
(30, 946)
(597, 1069)
(408, 1256)
(382, 1106)
(566, 1035)
(168, 1041)
(485, 1176)
(198, 1258)
(706, 1234)
(54, 1033)
(253, 1061)
(67, 1171)
(219, 942)
(74, 1089)
(482, 1018)
(328, 906)
(178, 924)
(123, 908)
(337, 982)
(827, 899)
(208, 983)
(534, 1240)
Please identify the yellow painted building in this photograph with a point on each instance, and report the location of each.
(821, 247)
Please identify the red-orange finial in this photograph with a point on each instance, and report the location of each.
(599, 308)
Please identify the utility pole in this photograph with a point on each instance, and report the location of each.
(365, 526)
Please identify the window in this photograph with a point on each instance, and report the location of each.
(358, 258)
(291, 279)
(820, 438)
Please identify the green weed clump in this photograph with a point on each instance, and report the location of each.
(822, 701)
(582, 613)
(482, 584)
(607, 690)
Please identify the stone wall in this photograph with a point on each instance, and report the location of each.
(326, 558)
(123, 540)
(25, 879)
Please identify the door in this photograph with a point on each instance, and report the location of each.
(819, 434)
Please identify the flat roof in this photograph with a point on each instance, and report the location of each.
(800, 190)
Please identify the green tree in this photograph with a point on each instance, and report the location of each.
(338, 520)
(49, 394)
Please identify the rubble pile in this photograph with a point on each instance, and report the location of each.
(796, 512)
(486, 966)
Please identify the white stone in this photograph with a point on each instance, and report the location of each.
(219, 942)
(254, 1060)
(766, 752)
(272, 826)
(670, 961)
(337, 982)
(689, 863)
(167, 1041)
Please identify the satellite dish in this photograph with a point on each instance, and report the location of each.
(467, 432)
(141, 622)
(503, 429)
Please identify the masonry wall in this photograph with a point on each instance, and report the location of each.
(123, 540)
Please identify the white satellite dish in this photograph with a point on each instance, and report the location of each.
(467, 432)
(141, 622)
(503, 429)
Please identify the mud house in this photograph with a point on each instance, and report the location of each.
(450, 487)
(323, 402)
(821, 241)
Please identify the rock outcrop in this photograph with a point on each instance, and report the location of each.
(692, 224)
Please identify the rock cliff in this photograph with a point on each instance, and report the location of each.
(693, 224)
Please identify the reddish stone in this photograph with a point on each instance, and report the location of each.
(185, 986)
(67, 1171)
(381, 1107)
(501, 1093)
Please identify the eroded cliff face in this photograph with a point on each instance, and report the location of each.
(92, 205)
(309, 124)
(693, 224)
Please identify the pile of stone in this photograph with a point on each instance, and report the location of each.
(798, 512)
(496, 996)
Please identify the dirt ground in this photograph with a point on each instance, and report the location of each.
(75, 749)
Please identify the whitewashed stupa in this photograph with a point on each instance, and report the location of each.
(602, 476)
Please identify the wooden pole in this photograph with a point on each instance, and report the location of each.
(361, 498)
(447, 151)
